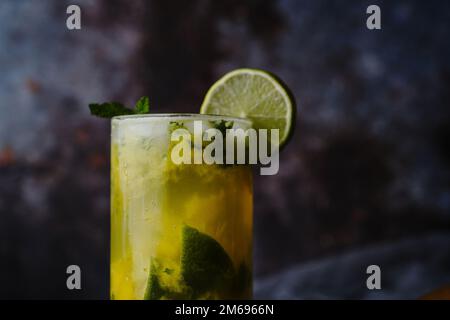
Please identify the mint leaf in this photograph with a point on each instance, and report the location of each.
(143, 105)
(168, 271)
(113, 109)
(174, 125)
(222, 126)
(164, 283)
(109, 109)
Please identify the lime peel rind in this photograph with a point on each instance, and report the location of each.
(267, 102)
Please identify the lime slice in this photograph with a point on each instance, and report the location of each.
(205, 266)
(154, 289)
(204, 263)
(256, 95)
(165, 283)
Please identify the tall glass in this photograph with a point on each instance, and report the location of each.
(177, 231)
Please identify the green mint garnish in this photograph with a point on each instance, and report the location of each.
(109, 109)
(142, 106)
(168, 271)
(113, 109)
(174, 125)
(223, 125)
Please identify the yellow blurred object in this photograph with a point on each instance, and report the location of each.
(442, 293)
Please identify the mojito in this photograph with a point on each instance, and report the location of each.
(178, 231)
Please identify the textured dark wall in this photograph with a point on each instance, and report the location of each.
(368, 164)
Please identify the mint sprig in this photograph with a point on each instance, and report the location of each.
(109, 109)
(143, 105)
(113, 109)
(223, 125)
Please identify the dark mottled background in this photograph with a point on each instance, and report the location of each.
(364, 181)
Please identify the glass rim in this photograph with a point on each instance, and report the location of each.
(182, 116)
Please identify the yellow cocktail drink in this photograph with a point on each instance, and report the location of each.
(177, 231)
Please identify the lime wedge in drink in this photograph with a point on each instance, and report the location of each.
(165, 283)
(254, 94)
(206, 270)
(154, 289)
(204, 263)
